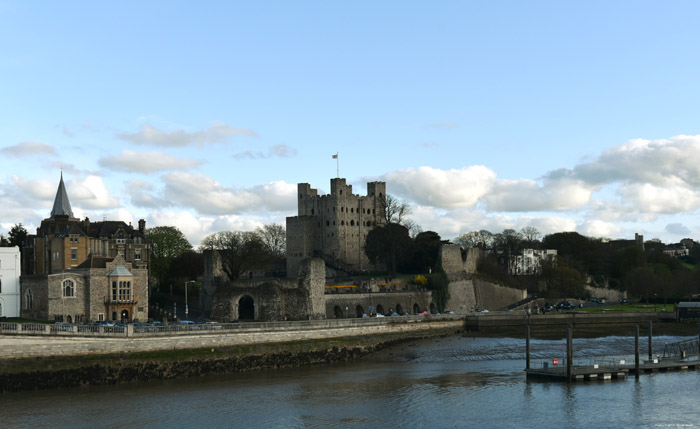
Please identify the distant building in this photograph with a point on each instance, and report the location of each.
(529, 261)
(676, 250)
(334, 227)
(9, 281)
(78, 271)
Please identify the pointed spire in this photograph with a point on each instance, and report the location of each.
(61, 205)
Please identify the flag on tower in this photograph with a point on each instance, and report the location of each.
(335, 156)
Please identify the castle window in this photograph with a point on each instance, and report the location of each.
(328, 223)
(352, 210)
(300, 196)
(333, 223)
(312, 211)
(68, 289)
(342, 222)
(352, 223)
(28, 300)
(333, 209)
(137, 255)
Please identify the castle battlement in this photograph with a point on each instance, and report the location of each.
(334, 226)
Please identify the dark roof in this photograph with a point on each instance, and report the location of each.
(108, 228)
(61, 204)
(95, 262)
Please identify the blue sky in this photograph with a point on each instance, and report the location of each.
(482, 115)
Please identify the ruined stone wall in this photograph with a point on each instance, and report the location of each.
(213, 277)
(495, 297)
(454, 265)
(39, 287)
(312, 279)
(462, 299)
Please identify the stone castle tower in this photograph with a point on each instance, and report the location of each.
(334, 227)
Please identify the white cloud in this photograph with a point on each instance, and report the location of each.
(528, 195)
(90, 193)
(215, 133)
(25, 149)
(146, 162)
(599, 229)
(442, 188)
(281, 151)
(210, 197)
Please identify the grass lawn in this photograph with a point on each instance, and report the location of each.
(627, 308)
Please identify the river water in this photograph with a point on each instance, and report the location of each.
(455, 382)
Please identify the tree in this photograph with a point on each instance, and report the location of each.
(530, 235)
(508, 239)
(167, 243)
(475, 239)
(240, 251)
(394, 209)
(18, 234)
(386, 243)
(275, 238)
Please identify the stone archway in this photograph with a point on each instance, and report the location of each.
(416, 309)
(337, 312)
(399, 309)
(359, 311)
(124, 316)
(380, 309)
(246, 308)
(69, 319)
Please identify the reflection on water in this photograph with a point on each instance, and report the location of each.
(450, 382)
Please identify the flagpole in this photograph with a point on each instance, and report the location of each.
(337, 165)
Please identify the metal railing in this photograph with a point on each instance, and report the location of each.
(13, 328)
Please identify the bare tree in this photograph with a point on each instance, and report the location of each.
(240, 251)
(475, 239)
(530, 234)
(275, 238)
(394, 210)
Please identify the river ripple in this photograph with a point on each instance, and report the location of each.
(456, 382)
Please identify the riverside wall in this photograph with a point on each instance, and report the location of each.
(21, 346)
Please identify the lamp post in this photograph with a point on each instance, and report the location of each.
(187, 309)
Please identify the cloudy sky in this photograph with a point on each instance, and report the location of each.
(565, 116)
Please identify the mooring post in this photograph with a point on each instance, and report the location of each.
(569, 352)
(636, 351)
(527, 347)
(650, 341)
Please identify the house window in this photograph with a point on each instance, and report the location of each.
(73, 238)
(114, 291)
(74, 253)
(101, 317)
(121, 240)
(68, 289)
(137, 255)
(124, 291)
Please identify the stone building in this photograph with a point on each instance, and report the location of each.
(272, 300)
(78, 271)
(99, 289)
(9, 281)
(334, 227)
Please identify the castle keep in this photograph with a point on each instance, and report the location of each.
(334, 227)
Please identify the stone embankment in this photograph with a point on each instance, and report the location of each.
(45, 362)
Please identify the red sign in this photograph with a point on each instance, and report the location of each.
(555, 361)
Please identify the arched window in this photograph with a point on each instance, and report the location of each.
(68, 288)
(28, 300)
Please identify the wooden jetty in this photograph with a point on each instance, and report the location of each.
(675, 359)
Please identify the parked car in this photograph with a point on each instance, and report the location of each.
(483, 310)
(624, 301)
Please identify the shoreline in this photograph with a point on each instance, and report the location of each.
(42, 373)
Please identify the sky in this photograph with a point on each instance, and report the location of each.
(564, 116)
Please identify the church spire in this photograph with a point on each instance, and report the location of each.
(61, 205)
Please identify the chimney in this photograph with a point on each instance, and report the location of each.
(142, 226)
